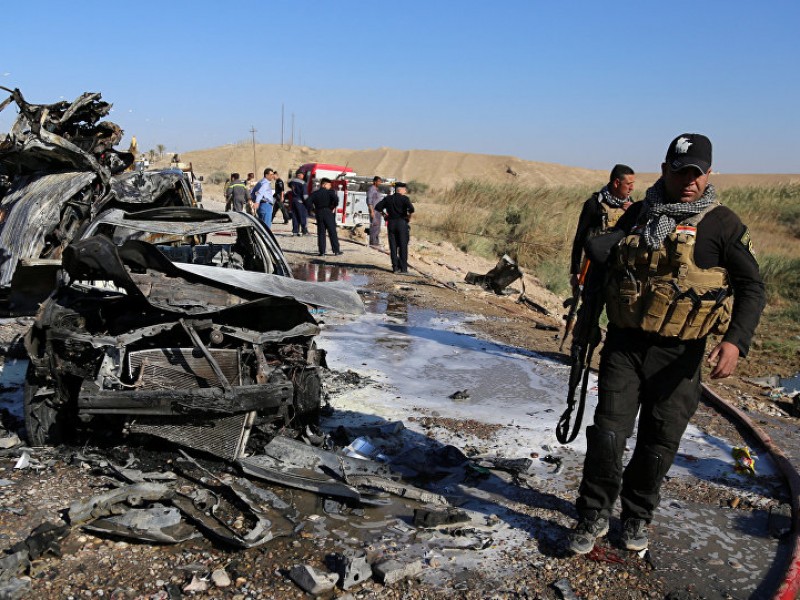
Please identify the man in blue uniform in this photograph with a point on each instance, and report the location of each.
(397, 210)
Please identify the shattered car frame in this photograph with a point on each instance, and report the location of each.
(58, 170)
(180, 323)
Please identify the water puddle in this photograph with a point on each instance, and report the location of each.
(790, 385)
(322, 272)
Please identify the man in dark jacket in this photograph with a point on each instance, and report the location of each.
(279, 198)
(600, 212)
(297, 185)
(324, 202)
(397, 209)
(675, 259)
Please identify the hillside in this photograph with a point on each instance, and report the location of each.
(439, 169)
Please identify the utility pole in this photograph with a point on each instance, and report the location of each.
(281, 124)
(253, 133)
(292, 142)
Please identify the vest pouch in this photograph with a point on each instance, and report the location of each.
(623, 310)
(718, 319)
(629, 291)
(681, 248)
(656, 303)
(699, 321)
(629, 252)
(710, 317)
(677, 317)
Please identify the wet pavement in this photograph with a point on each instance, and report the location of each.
(417, 362)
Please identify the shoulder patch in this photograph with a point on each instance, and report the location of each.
(747, 242)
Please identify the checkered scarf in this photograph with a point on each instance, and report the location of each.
(660, 218)
(605, 196)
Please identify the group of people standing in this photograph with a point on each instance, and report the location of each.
(267, 197)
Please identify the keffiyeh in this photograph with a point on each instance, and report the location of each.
(660, 218)
(611, 199)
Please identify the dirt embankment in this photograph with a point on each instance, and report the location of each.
(439, 169)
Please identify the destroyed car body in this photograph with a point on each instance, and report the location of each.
(181, 323)
(58, 170)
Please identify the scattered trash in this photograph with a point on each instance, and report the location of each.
(104, 504)
(601, 554)
(564, 589)
(9, 441)
(512, 465)
(363, 448)
(352, 568)
(498, 278)
(554, 460)
(158, 524)
(24, 461)
(391, 571)
(312, 581)
(435, 516)
(745, 462)
(771, 381)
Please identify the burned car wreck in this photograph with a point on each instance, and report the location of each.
(58, 170)
(178, 323)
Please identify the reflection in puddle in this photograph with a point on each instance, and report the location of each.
(321, 272)
(392, 306)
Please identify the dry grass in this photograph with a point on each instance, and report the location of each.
(535, 226)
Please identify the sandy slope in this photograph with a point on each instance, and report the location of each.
(440, 169)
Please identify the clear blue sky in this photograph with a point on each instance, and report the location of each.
(581, 83)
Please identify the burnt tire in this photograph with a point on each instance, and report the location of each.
(44, 418)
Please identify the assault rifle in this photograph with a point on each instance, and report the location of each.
(574, 302)
(585, 338)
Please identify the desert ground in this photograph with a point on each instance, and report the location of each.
(522, 557)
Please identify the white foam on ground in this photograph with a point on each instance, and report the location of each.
(418, 365)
